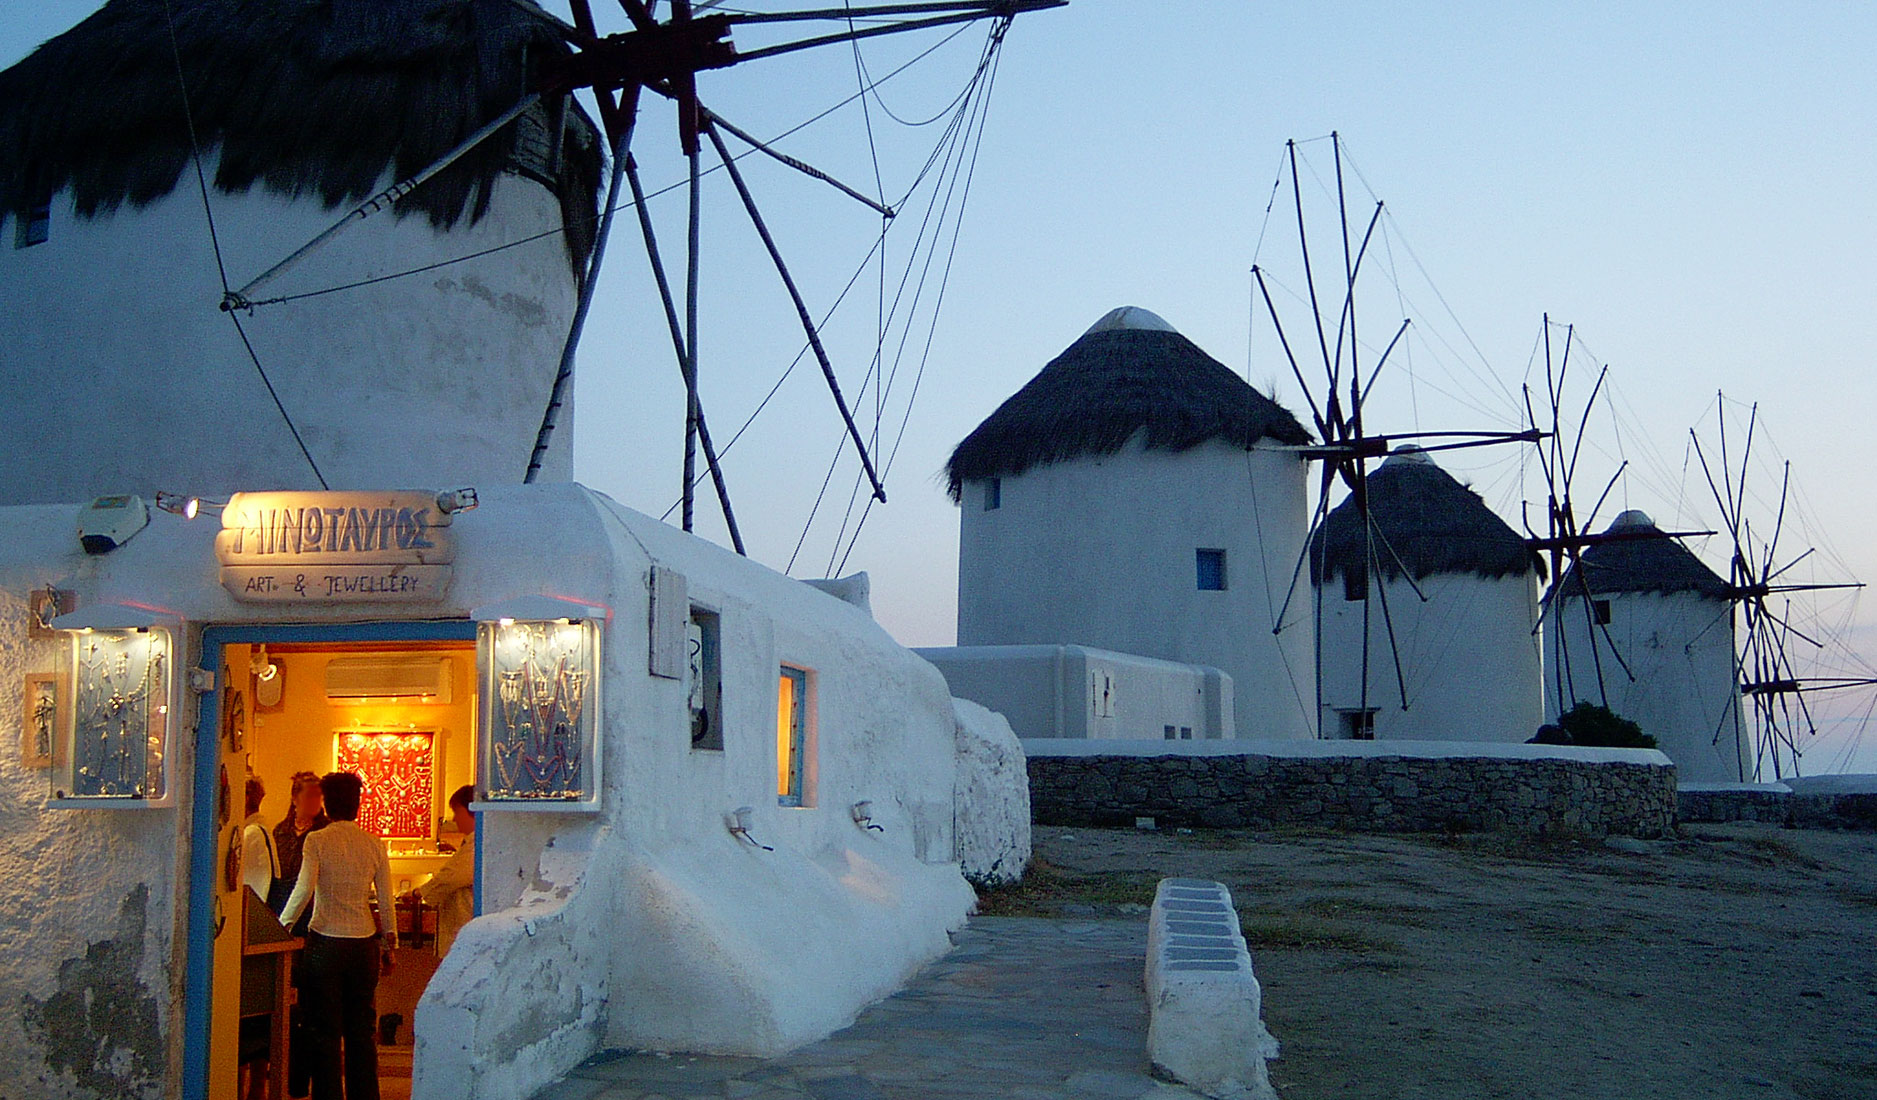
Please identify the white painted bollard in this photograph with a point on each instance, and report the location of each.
(1205, 1027)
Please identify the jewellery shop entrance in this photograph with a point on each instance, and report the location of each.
(394, 703)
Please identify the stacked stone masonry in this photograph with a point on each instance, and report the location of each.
(1359, 794)
(1787, 808)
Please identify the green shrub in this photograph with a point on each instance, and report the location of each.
(1590, 724)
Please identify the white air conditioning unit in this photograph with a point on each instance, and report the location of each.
(414, 678)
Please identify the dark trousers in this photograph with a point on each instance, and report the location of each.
(341, 979)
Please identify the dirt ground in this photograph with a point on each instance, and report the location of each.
(1736, 961)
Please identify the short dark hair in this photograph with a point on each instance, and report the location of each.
(342, 791)
(464, 795)
(255, 792)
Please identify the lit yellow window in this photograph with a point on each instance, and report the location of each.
(791, 730)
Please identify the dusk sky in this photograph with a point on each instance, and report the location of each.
(1689, 185)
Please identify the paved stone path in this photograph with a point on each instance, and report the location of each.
(1024, 1009)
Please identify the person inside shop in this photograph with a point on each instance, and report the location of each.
(306, 814)
(259, 869)
(259, 866)
(348, 943)
(452, 890)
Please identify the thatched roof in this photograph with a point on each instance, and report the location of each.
(1659, 565)
(1129, 375)
(322, 98)
(1434, 524)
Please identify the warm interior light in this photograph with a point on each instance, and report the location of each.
(785, 732)
(505, 622)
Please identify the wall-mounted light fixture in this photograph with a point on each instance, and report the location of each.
(186, 506)
(738, 822)
(862, 813)
(108, 522)
(269, 682)
(540, 713)
(457, 500)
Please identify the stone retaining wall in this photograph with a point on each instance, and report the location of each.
(1794, 809)
(1362, 792)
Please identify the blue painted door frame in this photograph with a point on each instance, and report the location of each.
(199, 955)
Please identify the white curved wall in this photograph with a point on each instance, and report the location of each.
(121, 374)
(1100, 552)
(1468, 655)
(1685, 692)
(645, 924)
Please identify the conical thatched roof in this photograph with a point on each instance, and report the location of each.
(318, 98)
(1130, 374)
(1433, 523)
(1660, 565)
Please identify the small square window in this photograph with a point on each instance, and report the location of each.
(1211, 565)
(1173, 733)
(993, 494)
(1186, 733)
(32, 226)
(1358, 725)
(1601, 610)
(705, 670)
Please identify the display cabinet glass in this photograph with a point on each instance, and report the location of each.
(117, 729)
(540, 696)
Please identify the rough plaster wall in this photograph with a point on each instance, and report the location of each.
(1685, 692)
(1100, 552)
(726, 948)
(993, 799)
(1467, 654)
(665, 930)
(521, 996)
(86, 913)
(1047, 691)
(807, 934)
(436, 379)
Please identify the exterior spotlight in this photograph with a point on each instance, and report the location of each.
(451, 501)
(179, 505)
(862, 814)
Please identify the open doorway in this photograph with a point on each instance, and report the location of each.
(395, 703)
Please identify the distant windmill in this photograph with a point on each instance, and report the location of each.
(1769, 675)
(1346, 447)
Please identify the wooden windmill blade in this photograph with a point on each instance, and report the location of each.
(663, 57)
(1770, 676)
(1338, 398)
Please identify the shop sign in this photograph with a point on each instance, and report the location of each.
(346, 547)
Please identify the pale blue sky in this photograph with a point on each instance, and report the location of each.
(1691, 185)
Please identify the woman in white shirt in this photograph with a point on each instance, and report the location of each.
(346, 947)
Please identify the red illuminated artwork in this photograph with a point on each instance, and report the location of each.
(400, 780)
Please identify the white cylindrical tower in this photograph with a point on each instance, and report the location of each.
(1138, 496)
(1459, 638)
(121, 372)
(1645, 598)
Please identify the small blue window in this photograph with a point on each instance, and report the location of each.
(993, 493)
(32, 226)
(1211, 570)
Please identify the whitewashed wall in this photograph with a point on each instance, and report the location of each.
(645, 925)
(1099, 552)
(1685, 692)
(1057, 691)
(88, 900)
(1468, 654)
(121, 373)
